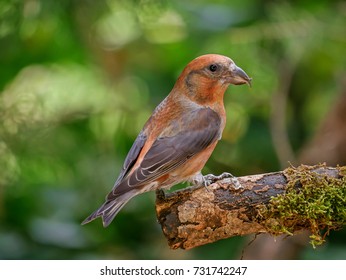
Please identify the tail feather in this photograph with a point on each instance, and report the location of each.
(109, 210)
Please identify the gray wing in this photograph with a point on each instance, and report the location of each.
(168, 153)
(132, 156)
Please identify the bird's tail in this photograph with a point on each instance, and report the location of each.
(109, 209)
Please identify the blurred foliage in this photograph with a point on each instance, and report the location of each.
(78, 79)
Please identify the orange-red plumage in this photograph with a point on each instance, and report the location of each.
(179, 137)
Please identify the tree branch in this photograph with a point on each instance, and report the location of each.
(307, 197)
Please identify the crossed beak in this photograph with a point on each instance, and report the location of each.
(238, 76)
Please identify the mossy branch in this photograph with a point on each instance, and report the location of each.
(306, 197)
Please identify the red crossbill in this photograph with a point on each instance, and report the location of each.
(179, 137)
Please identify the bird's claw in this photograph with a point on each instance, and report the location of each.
(210, 179)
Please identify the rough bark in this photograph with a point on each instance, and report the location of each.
(198, 215)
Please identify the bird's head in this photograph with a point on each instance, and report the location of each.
(211, 74)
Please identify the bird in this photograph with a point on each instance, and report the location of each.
(180, 135)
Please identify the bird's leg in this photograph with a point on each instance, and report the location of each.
(204, 181)
(210, 179)
(199, 181)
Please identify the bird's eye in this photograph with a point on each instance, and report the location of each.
(213, 67)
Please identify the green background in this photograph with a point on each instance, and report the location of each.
(78, 79)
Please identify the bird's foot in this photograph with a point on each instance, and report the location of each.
(204, 181)
(210, 179)
(199, 181)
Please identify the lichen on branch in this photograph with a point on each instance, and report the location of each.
(306, 197)
(313, 200)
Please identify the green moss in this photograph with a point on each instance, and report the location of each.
(312, 200)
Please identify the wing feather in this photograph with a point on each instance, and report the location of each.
(168, 153)
(132, 156)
